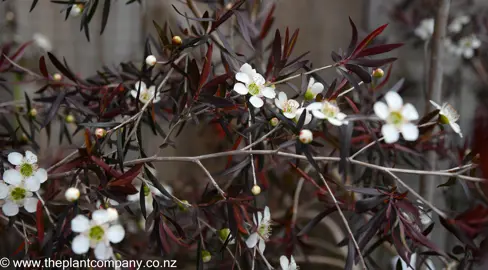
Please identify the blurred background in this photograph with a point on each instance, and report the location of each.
(324, 27)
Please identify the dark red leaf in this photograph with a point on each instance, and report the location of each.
(363, 74)
(206, 66)
(293, 41)
(39, 222)
(267, 23)
(373, 62)
(367, 40)
(43, 67)
(226, 15)
(105, 166)
(379, 49)
(127, 177)
(354, 38)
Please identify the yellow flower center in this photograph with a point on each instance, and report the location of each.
(18, 194)
(395, 118)
(96, 233)
(254, 89)
(26, 169)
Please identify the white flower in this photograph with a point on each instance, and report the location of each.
(305, 136)
(328, 110)
(96, 233)
(151, 60)
(413, 261)
(397, 117)
(42, 42)
(251, 82)
(288, 264)
(289, 107)
(149, 191)
(457, 24)
(26, 171)
(448, 115)
(263, 231)
(308, 117)
(146, 94)
(76, 10)
(72, 194)
(425, 29)
(15, 196)
(467, 45)
(313, 89)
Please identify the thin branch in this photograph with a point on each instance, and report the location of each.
(214, 183)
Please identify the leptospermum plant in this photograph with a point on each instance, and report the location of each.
(295, 142)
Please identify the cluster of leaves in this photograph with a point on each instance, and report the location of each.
(198, 89)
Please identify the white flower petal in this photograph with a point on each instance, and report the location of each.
(381, 110)
(115, 233)
(41, 174)
(246, 68)
(311, 82)
(437, 106)
(243, 77)
(293, 264)
(80, 224)
(133, 93)
(15, 158)
(268, 92)
(3, 190)
(279, 104)
(390, 133)
(335, 122)
(252, 240)
(10, 209)
(30, 157)
(317, 88)
(80, 244)
(468, 53)
(12, 177)
(241, 89)
(308, 117)
(262, 245)
(456, 129)
(410, 132)
(267, 214)
(32, 184)
(282, 97)
(341, 116)
(258, 79)
(318, 114)
(315, 106)
(290, 115)
(30, 204)
(284, 263)
(100, 216)
(260, 218)
(140, 86)
(409, 112)
(133, 197)
(394, 101)
(256, 102)
(103, 251)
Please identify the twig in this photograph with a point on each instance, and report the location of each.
(214, 183)
(365, 147)
(45, 208)
(262, 138)
(250, 148)
(341, 214)
(301, 74)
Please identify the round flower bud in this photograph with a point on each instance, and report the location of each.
(256, 190)
(112, 214)
(33, 112)
(274, 121)
(224, 233)
(378, 73)
(100, 132)
(57, 77)
(70, 118)
(76, 10)
(176, 40)
(206, 256)
(305, 136)
(151, 60)
(72, 194)
(24, 138)
(443, 119)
